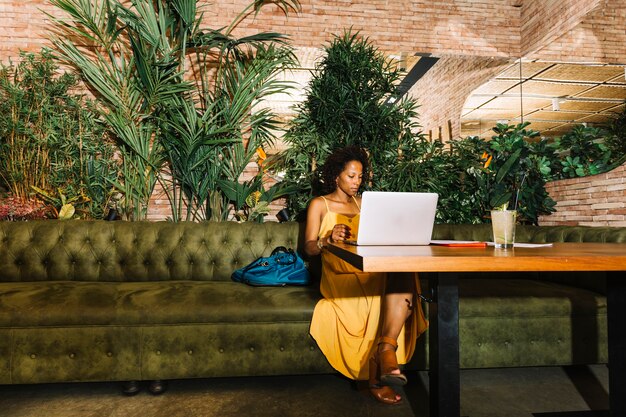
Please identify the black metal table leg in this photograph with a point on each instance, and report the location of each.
(445, 392)
(616, 323)
(616, 326)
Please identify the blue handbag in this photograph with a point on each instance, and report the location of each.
(282, 267)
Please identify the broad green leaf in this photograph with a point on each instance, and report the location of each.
(67, 212)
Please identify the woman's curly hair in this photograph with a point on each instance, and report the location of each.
(336, 163)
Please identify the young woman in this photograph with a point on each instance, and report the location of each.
(366, 323)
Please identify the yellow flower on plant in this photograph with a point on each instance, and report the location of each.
(262, 156)
(487, 158)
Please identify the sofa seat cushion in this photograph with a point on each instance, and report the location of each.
(516, 322)
(526, 298)
(63, 303)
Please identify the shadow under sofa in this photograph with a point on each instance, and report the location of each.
(114, 301)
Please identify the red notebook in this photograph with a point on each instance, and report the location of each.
(459, 243)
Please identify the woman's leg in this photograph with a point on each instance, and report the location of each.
(397, 307)
(397, 304)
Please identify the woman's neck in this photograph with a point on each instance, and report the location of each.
(340, 197)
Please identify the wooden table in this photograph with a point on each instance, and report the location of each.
(446, 262)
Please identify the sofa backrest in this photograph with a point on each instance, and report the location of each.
(533, 234)
(80, 250)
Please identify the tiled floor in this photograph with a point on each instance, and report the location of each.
(523, 392)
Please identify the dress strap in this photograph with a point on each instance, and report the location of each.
(357, 203)
(326, 202)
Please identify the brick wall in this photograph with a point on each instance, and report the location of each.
(472, 27)
(598, 200)
(445, 26)
(599, 37)
(545, 21)
(442, 92)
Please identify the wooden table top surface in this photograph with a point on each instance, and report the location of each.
(558, 257)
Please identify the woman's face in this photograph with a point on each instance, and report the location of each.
(349, 180)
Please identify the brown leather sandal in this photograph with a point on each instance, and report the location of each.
(389, 364)
(381, 393)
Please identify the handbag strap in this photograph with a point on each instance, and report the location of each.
(277, 250)
(280, 249)
(292, 255)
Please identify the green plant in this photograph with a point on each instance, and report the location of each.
(239, 127)
(64, 208)
(513, 174)
(250, 199)
(49, 137)
(584, 151)
(432, 167)
(351, 100)
(135, 59)
(616, 137)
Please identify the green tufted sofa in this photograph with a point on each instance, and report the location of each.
(113, 301)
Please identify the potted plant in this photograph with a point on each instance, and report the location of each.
(513, 173)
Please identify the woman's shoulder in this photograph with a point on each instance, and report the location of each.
(317, 200)
(317, 203)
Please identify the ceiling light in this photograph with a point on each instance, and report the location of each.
(555, 104)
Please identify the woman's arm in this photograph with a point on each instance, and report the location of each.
(313, 223)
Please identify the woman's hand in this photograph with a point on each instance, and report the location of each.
(340, 232)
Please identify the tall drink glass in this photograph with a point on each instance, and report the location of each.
(503, 224)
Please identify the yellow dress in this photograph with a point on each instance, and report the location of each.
(346, 322)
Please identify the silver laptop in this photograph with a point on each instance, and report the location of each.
(396, 218)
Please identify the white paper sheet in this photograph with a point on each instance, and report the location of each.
(525, 245)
